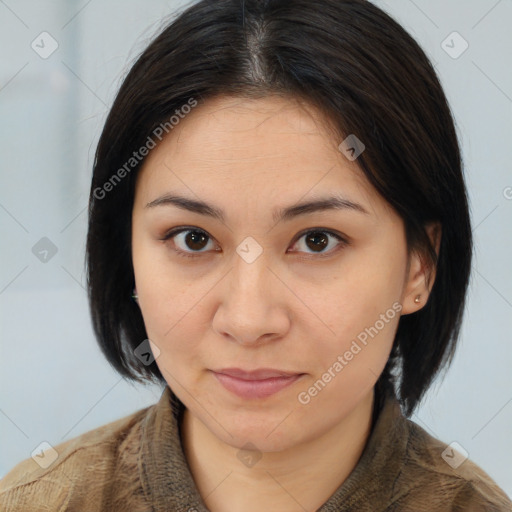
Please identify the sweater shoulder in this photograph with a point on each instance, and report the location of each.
(48, 479)
(445, 477)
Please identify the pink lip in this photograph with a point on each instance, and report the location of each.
(259, 383)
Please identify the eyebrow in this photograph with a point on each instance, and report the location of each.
(281, 214)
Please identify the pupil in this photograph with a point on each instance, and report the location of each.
(317, 238)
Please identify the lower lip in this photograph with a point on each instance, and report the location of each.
(255, 388)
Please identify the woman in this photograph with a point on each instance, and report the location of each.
(278, 233)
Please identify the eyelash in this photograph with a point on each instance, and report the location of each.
(176, 231)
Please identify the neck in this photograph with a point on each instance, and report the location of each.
(304, 476)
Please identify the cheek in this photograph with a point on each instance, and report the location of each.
(171, 327)
(361, 310)
(172, 306)
(170, 318)
(159, 300)
(344, 370)
(166, 294)
(361, 340)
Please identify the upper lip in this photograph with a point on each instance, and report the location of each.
(258, 374)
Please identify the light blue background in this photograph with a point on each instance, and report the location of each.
(54, 382)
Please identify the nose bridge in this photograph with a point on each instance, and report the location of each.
(250, 274)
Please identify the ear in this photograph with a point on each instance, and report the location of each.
(421, 275)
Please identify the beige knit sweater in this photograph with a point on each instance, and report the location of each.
(137, 464)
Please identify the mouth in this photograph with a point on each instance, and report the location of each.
(254, 384)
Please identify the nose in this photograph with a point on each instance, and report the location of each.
(252, 303)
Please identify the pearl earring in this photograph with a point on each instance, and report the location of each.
(417, 299)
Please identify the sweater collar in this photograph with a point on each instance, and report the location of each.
(169, 485)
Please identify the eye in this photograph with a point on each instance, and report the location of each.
(185, 238)
(317, 240)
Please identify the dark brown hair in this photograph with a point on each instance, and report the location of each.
(369, 77)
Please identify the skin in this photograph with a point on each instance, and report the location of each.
(289, 309)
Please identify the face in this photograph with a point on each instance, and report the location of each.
(316, 293)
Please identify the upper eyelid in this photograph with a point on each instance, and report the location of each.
(178, 230)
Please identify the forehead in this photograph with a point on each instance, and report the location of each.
(273, 146)
(252, 128)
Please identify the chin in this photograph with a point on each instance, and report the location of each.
(267, 432)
